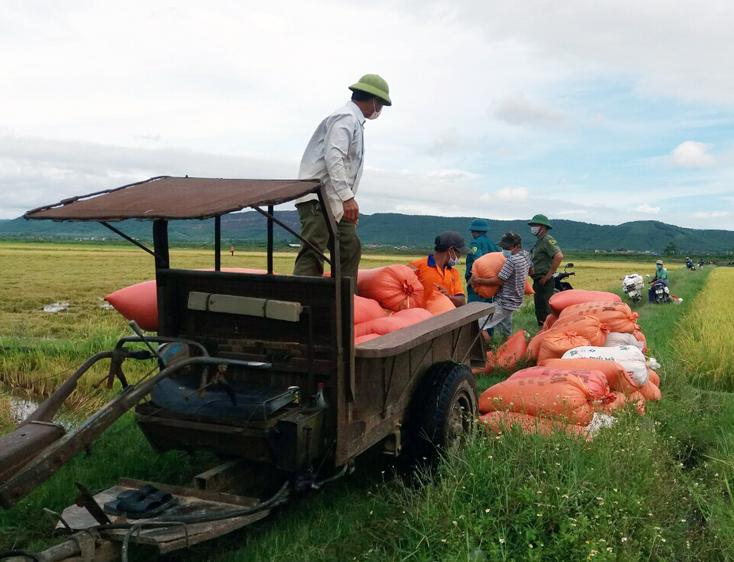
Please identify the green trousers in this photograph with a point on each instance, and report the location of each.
(313, 229)
(542, 296)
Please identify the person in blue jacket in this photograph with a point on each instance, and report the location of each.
(478, 246)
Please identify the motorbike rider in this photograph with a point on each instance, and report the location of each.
(661, 275)
(689, 263)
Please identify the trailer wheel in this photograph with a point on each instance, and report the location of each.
(443, 409)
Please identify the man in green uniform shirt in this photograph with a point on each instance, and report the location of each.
(478, 246)
(546, 257)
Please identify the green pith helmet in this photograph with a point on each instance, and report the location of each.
(541, 220)
(478, 225)
(375, 85)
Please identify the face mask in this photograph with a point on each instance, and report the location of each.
(375, 112)
(506, 253)
(534, 230)
(453, 261)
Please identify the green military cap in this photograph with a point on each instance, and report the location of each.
(540, 220)
(375, 85)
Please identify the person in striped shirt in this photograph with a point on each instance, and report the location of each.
(510, 279)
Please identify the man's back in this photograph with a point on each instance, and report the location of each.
(514, 273)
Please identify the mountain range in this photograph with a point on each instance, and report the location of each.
(395, 231)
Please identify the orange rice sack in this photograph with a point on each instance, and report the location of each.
(587, 326)
(137, 302)
(616, 316)
(491, 364)
(534, 345)
(438, 303)
(595, 381)
(538, 391)
(500, 421)
(489, 265)
(529, 288)
(513, 350)
(396, 321)
(366, 309)
(564, 299)
(549, 321)
(365, 338)
(362, 329)
(617, 378)
(611, 406)
(555, 344)
(650, 391)
(653, 377)
(395, 287)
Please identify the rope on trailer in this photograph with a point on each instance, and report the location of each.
(136, 528)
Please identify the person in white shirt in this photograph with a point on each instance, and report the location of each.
(335, 156)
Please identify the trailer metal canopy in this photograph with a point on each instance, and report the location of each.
(169, 198)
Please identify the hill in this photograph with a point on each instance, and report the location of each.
(392, 230)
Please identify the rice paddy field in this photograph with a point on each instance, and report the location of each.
(656, 487)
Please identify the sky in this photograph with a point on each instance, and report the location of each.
(603, 112)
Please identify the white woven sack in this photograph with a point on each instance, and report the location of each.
(615, 339)
(629, 357)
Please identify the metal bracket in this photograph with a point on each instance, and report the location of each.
(87, 501)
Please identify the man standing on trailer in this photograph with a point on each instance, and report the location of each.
(335, 156)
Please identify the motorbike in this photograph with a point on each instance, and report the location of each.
(633, 286)
(558, 279)
(660, 292)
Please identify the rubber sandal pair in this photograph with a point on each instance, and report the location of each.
(146, 501)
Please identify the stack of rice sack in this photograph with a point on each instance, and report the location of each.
(391, 298)
(543, 399)
(589, 332)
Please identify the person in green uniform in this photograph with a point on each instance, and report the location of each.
(546, 256)
(478, 246)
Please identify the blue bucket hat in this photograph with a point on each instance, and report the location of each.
(478, 225)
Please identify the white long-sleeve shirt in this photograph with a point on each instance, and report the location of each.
(335, 155)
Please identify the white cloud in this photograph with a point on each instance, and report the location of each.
(572, 212)
(678, 50)
(453, 174)
(104, 93)
(711, 214)
(647, 209)
(692, 154)
(507, 194)
(519, 110)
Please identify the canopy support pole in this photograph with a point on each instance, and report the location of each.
(280, 223)
(218, 243)
(128, 238)
(270, 240)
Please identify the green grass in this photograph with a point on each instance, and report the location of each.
(651, 488)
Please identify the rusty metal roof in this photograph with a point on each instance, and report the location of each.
(168, 197)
